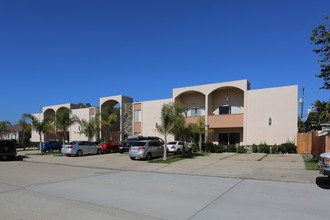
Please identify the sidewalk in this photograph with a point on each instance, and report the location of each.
(287, 167)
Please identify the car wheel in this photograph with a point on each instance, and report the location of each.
(99, 151)
(178, 151)
(148, 157)
(51, 150)
(44, 151)
(111, 150)
(79, 153)
(132, 158)
(121, 151)
(68, 155)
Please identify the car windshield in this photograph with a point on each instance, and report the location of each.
(73, 142)
(139, 143)
(173, 142)
(104, 142)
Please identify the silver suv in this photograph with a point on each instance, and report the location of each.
(324, 164)
(146, 149)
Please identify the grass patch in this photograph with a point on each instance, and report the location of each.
(260, 159)
(175, 158)
(47, 153)
(310, 163)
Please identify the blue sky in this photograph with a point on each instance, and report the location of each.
(55, 52)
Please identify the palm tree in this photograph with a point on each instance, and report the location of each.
(63, 120)
(40, 126)
(200, 129)
(90, 129)
(109, 118)
(4, 127)
(167, 124)
(26, 127)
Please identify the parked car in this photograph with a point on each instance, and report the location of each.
(7, 149)
(146, 149)
(123, 147)
(110, 146)
(177, 147)
(80, 148)
(51, 146)
(324, 164)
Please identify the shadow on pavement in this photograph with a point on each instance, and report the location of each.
(17, 158)
(323, 182)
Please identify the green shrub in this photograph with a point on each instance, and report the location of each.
(209, 147)
(220, 148)
(264, 148)
(275, 149)
(288, 147)
(241, 149)
(231, 148)
(255, 148)
(194, 147)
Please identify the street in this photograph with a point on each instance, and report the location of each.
(31, 190)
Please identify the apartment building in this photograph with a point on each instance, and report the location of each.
(235, 113)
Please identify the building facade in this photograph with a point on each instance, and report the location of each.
(234, 113)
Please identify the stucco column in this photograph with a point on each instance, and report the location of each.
(206, 117)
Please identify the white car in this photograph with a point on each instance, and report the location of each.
(177, 147)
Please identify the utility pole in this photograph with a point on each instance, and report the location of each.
(302, 103)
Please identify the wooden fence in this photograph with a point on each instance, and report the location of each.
(312, 143)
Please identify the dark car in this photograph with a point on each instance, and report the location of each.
(51, 146)
(123, 147)
(7, 149)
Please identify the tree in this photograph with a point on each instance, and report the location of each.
(199, 128)
(167, 124)
(321, 38)
(63, 120)
(320, 115)
(109, 118)
(301, 125)
(4, 127)
(26, 128)
(40, 126)
(82, 105)
(90, 128)
(180, 129)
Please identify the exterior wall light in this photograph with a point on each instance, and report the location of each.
(270, 121)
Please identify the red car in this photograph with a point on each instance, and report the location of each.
(110, 146)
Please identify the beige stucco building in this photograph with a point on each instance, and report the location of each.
(236, 114)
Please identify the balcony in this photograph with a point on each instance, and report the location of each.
(226, 121)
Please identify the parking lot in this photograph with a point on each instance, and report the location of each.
(111, 186)
(277, 167)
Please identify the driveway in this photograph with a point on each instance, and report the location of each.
(281, 167)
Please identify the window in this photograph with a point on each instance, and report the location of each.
(137, 116)
(229, 109)
(229, 138)
(196, 111)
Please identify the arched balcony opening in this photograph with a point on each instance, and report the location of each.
(106, 107)
(226, 100)
(59, 131)
(194, 102)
